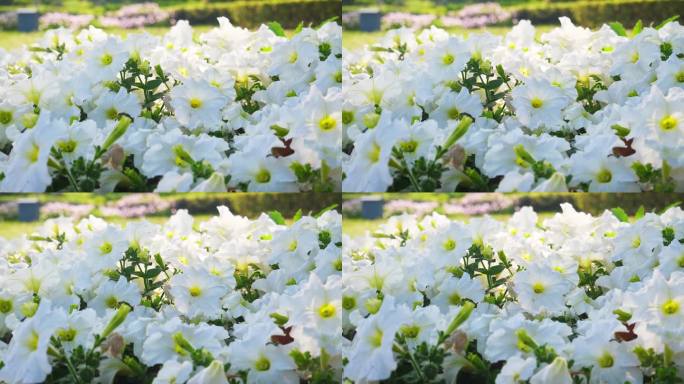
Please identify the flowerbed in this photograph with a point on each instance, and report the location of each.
(229, 300)
(232, 110)
(575, 299)
(577, 110)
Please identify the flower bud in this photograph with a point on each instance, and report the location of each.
(458, 132)
(461, 317)
(118, 318)
(117, 132)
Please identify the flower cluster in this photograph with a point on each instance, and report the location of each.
(574, 109)
(228, 300)
(232, 109)
(570, 299)
(61, 19)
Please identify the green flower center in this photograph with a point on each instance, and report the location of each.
(5, 117)
(453, 113)
(604, 176)
(5, 306)
(67, 146)
(680, 77)
(374, 153)
(448, 59)
(606, 360)
(106, 59)
(112, 302)
(66, 334)
(263, 364)
(454, 299)
(449, 245)
(410, 331)
(106, 247)
(263, 176)
(409, 146)
(348, 303)
(347, 117)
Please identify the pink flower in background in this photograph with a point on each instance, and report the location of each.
(135, 16)
(60, 19)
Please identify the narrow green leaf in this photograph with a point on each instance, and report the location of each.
(324, 210)
(669, 20)
(620, 214)
(297, 216)
(276, 28)
(326, 21)
(618, 28)
(299, 28)
(640, 213)
(277, 217)
(675, 204)
(638, 27)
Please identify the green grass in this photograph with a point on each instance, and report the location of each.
(357, 39)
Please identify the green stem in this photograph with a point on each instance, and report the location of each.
(412, 178)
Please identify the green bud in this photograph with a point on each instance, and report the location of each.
(180, 341)
(117, 132)
(279, 319)
(525, 342)
(622, 315)
(118, 318)
(460, 130)
(461, 317)
(523, 158)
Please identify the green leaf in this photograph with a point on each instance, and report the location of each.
(640, 213)
(638, 27)
(618, 28)
(675, 204)
(298, 215)
(669, 20)
(276, 28)
(326, 209)
(299, 28)
(326, 21)
(620, 214)
(277, 217)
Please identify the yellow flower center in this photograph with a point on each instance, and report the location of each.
(106, 59)
(636, 242)
(410, 331)
(668, 123)
(375, 339)
(67, 146)
(293, 57)
(449, 245)
(195, 291)
(33, 154)
(374, 153)
(32, 341)
(327, 123)
(536, 103)
(670, 307)
(408, 146)
(448, 59)
(106, 247)
(453, 113)
(538, 288)
(112, 113)
(680, 77)
(195, 103)
(66, 334)
(5, 306)
(5, 117)
(327, 311)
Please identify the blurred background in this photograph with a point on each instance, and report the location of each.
(22, 213)
(364, 212)
(23, 21)
(366, 20)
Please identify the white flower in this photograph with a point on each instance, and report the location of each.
(539, 104)
(197, 104)
(198, 293)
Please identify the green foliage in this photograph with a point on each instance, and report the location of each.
(251, 14)
(317, 370)
(664, 370)
(138, 76)
(658, 180)
(594, 13)
(137, 263)
(481, 262)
